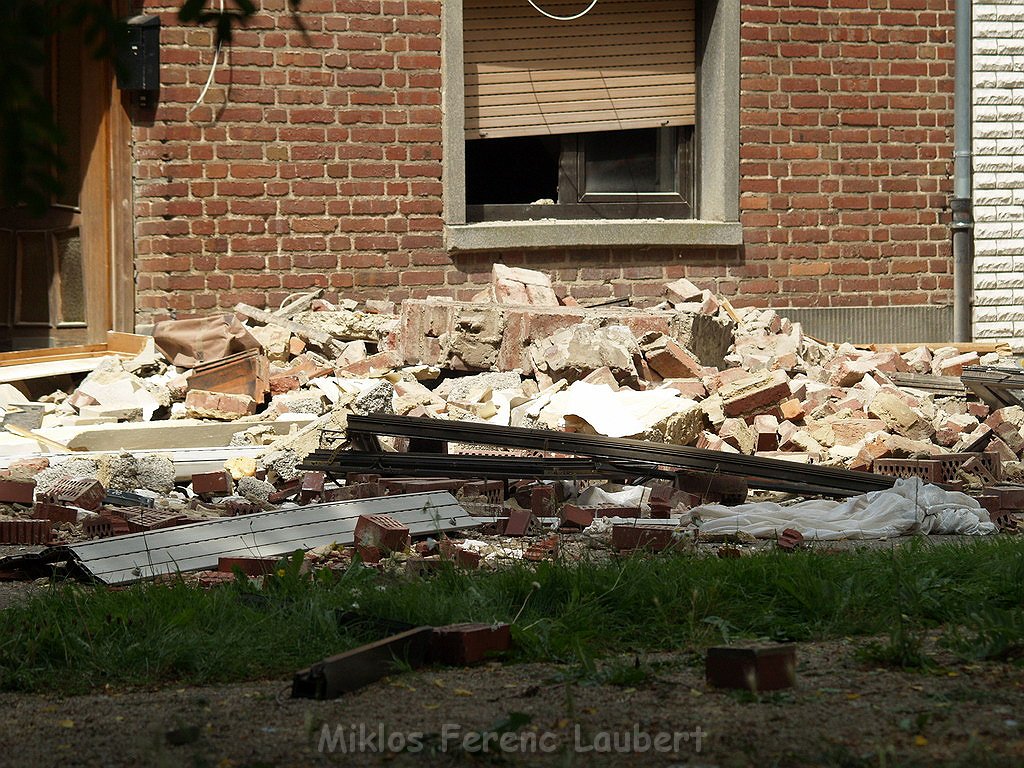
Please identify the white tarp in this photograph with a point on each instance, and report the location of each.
(909, 507)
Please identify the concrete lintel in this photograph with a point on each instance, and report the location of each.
(519, 235)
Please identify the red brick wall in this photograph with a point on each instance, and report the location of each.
(315, 160)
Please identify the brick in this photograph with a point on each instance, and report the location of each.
(789, 539)
(83, 492)
(382, 531)
(791, 410)
(520, 521)
(374, 365)
(17, 491)
(250, 566)
(766, 428)
(736, 433)
(954, 366)
(754, 669)
(56, 513)
(755, 393)
(104, 525)
(651, 538)
(312, 487)
(670, 360)
(285, 491)
(141, 519)
(542, 501)
(215, 405)
(470, 643)
(576, 517)
(26, 531)
(212, 483)
(545, 549)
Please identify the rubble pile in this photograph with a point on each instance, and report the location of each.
(250, 394)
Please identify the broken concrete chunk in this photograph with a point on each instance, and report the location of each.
(576, 351)
(899, 417)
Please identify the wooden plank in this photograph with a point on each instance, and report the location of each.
(355, 669)
(59, 361)
(157, 435)
(596, 85)
(661, 54)
(1001, 347)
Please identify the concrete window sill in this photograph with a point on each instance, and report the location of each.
(525, 235)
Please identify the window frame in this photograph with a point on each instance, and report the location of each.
(715, 176)
(575, 203)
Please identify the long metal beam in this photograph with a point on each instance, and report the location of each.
(468, 465)
(760, 471)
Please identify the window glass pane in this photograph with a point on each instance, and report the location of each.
(6, 276)
(630, 162)
(72, 281)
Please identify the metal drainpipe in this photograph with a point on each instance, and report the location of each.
(963, 216)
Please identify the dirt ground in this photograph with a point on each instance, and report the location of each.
(842, 712)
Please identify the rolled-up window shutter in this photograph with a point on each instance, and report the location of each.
(626, 64)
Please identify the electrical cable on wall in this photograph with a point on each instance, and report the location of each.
(213, 69)
(581, 14)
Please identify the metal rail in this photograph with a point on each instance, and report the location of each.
(760, 471)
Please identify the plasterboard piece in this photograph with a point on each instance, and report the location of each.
(198, 546)
(154, 435)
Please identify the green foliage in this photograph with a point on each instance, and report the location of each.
(75, 638)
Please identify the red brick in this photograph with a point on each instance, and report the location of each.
(212, 483)
(25, 531)
(17, 491)
(755, 669)
(465, 644)
(250, 566)
(56, 513)
(383, 532)
(653, 538)
(82, 492)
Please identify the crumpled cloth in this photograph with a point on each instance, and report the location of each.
(911, 506)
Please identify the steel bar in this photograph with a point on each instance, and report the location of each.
(760, 471)
(496, 467)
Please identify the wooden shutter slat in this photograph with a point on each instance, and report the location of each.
(627, 63)
(563, 80)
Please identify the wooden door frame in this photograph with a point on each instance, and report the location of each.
(106, 200)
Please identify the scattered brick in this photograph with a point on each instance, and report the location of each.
(26, 531)
(383, 532)
(465, 644)
(754, 669)
(17, 491)
(82, 492)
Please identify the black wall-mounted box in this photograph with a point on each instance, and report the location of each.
(138, 58)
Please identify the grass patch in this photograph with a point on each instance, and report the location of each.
(74, 638)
